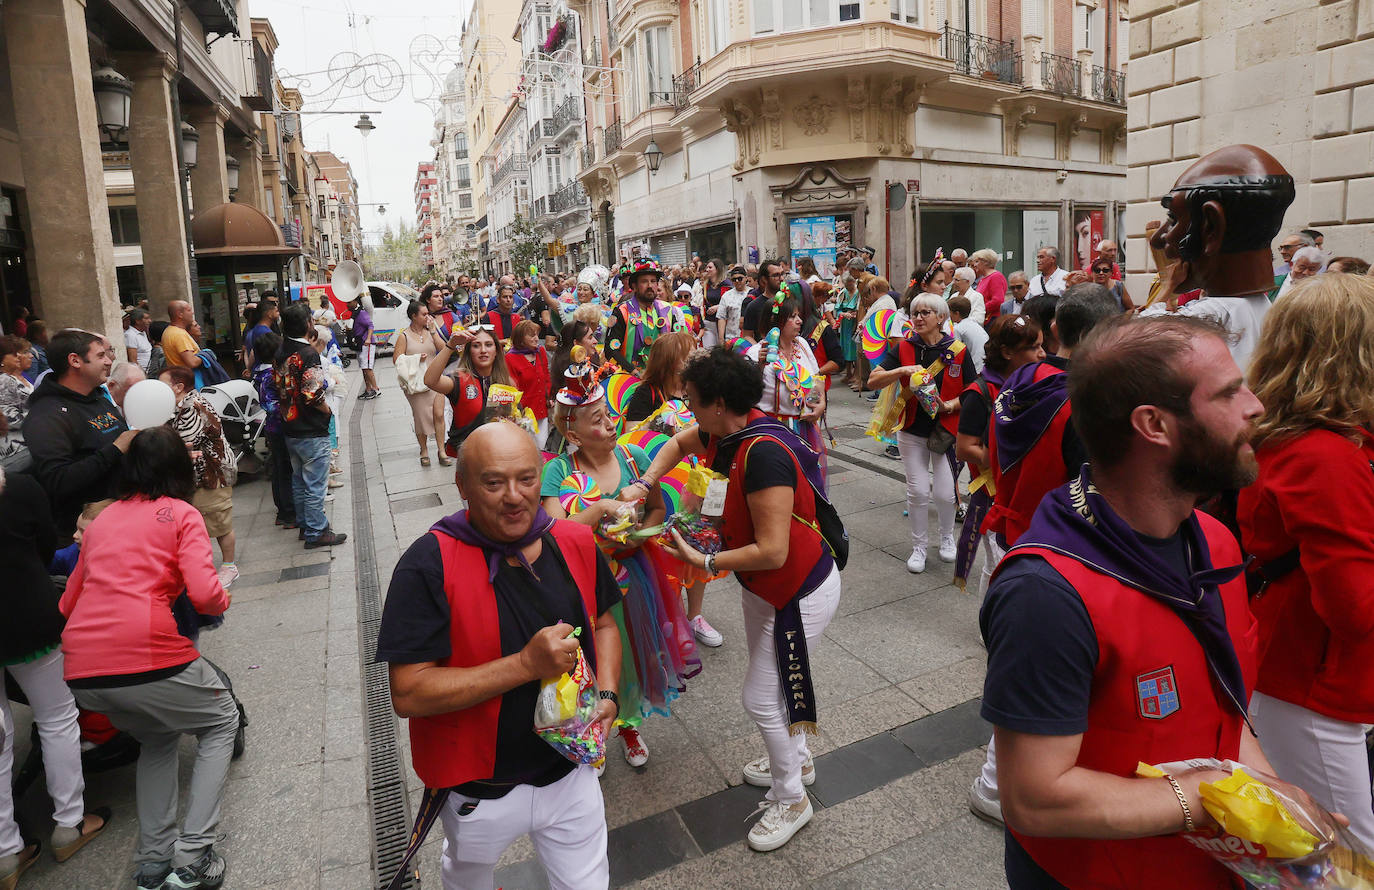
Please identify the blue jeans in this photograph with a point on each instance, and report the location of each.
(309, 478)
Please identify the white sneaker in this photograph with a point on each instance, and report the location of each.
(779, 822)
(982, 806)
(756, 772)
(948, 549)
(228, 575)
(328, 497)
(636, 754)
(916, 562)
(706, 634)
(335, 482)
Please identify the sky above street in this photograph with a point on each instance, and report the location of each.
(317, 35)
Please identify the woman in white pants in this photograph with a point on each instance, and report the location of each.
(30, 640)
(928, 358)
(1306, 521)
(770, 539)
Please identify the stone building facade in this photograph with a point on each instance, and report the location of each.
(1293, 77)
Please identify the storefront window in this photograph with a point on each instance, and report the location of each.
(999, 228)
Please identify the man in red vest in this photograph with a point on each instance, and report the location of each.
(1143, 642)
(479, 611)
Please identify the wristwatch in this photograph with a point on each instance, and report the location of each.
(608, 695)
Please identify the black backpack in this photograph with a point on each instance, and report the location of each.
(828, 521)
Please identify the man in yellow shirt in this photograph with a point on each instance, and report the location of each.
(178, 346)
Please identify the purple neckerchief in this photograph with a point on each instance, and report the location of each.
(765, 425)
(1024, 410)
(458, 526)
(994, 378)
(523, 350)
(1076, 521)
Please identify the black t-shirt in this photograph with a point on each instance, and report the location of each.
(769, 464)
(415, 629)
(1040, 682)
(751, 318)
(535, 309)
(644, 401)
(830, 344)
(926, 355)
(975, 415)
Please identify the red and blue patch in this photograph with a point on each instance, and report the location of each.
(1157, 693)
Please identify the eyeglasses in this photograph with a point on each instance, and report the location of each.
(1017, 286)
(1102, 271)
(922, 313)
(736, 277)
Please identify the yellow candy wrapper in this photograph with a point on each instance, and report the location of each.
(1271, 833)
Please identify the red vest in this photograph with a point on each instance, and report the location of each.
(504, 326)
(460, 746)
(974, 471)
(951, 383)
(1153, 701)
(817, 342)
(1021, 488)
(805, 546)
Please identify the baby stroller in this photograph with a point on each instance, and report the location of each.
(236, 403)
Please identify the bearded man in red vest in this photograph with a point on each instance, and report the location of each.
(1117, 627)
(479, 611)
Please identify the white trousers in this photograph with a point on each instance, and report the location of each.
(1323, 756)
(927, 474)
(992, 555)
(762, 695)
(987, 778)
(54, 710)
(565, 820)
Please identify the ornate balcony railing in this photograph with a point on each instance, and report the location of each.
(1061, 75)
(610, 139)
(569, 197)
(542, 129)
(1109, 86)
(291, 232)
(512, 164)
(684, 83)
(588, 156)
(568, 113)
(980, 56)
(591, 56)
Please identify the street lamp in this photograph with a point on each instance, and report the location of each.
(231, 175)
(653, 155)
(364, 125)
(190, 140)
(113, 92)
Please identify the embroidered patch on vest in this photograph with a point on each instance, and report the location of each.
(1157, 693)
(470, 392)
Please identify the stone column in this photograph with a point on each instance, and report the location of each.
(1030, 61)
(1085, 70)
(64, 178)
(153, 136)
(209, 181)
(249, 153)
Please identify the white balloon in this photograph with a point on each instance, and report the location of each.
(149, 403)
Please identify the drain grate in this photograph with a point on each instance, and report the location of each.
(386, 790)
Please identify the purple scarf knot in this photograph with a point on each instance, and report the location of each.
(457, 525)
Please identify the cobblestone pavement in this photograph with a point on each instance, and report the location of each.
(898, 676)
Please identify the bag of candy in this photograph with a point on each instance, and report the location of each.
(503, 403)
(621, 524)
(1271, 833)
(565, 713)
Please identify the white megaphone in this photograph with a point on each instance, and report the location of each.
(348, 285)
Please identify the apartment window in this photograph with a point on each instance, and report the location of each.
(717, 25)
(631, 55)
(465, 201)
(658, 65)
(460, 145)
(554, 169)
(905, 11)
(124, 225)
(464, 176)
(776, 16)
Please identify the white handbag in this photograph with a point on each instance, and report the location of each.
(410, 374)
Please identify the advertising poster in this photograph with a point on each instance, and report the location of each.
(1087, 235)
(1040, 228)
(814, 237)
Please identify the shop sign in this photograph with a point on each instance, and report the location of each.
(814, 237)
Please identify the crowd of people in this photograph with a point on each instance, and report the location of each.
(1102, 438)
(1146, 477)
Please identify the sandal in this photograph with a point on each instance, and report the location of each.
(19, 863)
(67, 841)
(444, 461)
(424, 460)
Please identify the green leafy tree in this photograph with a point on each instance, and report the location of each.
(527, 243)
(396, 257)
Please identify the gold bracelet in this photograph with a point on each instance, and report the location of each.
(1183, 802)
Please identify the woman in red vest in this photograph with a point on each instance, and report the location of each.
(482, 363)
(929, 357)
(1307, 523)
(771, 541)
(1014, 341)
(528, 365)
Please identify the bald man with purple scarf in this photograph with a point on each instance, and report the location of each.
(492, 600)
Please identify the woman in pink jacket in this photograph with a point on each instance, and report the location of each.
(124, 657)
